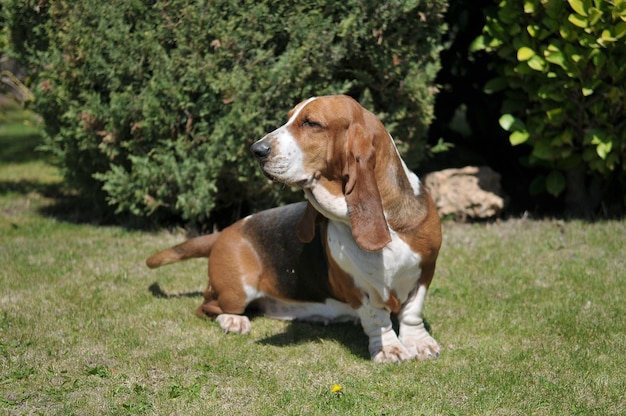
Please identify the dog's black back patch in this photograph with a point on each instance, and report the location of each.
(301, 268)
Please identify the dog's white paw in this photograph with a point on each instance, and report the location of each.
(239, 324)
(387, 348)
(422, 348)
(393, 353)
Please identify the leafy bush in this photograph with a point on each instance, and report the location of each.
(152, 106)
(564, 76)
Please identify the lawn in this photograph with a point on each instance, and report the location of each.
(529, 312)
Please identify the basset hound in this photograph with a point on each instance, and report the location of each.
(362, 247)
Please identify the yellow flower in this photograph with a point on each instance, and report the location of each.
(336, 388)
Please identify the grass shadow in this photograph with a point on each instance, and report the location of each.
(67, 206)
(25, 187)
(19, 136)
(71, 208)
(63, 205)
(158, 292)
(19, 150)
(298, 332)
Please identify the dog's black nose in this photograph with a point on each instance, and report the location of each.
(261, 150)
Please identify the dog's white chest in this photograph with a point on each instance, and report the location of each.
(394, 268)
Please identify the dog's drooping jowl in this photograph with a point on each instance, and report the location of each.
(362, 247)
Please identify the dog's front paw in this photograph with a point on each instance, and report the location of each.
(239, 324)
(422, 348)
(393, 353)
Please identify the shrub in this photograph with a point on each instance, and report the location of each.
(152, 106)
(564, 77)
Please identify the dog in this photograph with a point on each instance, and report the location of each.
(362, 247)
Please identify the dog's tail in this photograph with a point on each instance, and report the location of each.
(193, 248)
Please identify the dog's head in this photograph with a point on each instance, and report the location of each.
(331, 148)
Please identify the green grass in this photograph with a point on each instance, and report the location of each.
(19, 133)
(530, 315)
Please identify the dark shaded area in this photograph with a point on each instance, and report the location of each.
(348, 334)
(26, 187)
(71, 207)
(158, 292)
(18, 146)
(20, 135)
(68, 206)
(467, 117)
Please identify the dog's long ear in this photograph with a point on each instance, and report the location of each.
(305, 230)
(365, 207)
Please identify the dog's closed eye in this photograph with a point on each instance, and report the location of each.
(311, 123)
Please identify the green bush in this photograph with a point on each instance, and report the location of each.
(151, 105)
(564, 77)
